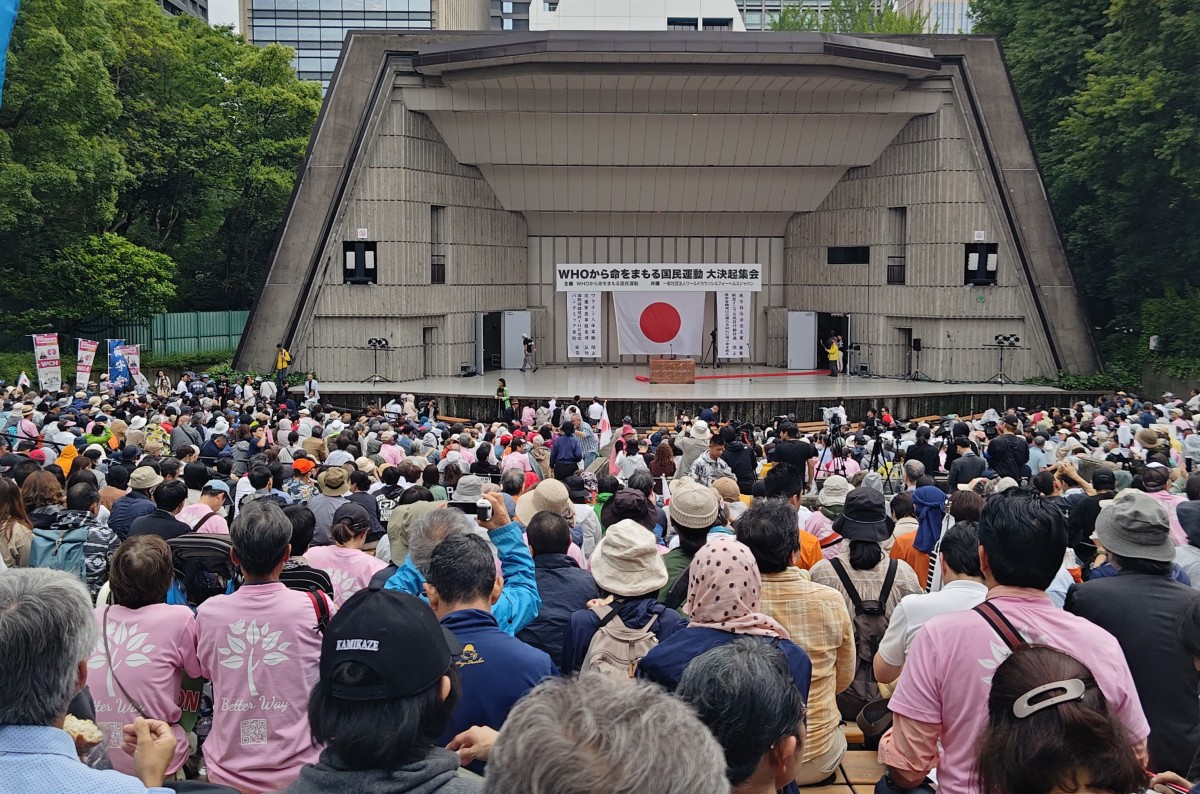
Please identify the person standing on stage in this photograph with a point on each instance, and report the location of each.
(529, 346)
(283, 360)
(834, 352)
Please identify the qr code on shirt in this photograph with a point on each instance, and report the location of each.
(254, 731)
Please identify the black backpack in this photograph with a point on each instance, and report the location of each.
(203, 567)
(870, 622)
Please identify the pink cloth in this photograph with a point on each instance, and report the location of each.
(820, 527)
(573, 551)
(260, 648)
(1170, 501)
(150, 648)
(515, 460)
(948, 675)
(192, 514)
(724, 590)
(350, 570)
(392, 454)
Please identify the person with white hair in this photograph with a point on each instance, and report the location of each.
(47, 633)
(629, 732)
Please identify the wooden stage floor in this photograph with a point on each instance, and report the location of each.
(761, 393)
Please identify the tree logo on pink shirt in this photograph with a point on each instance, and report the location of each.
(344, 585)
(127, 646)
(251, 646)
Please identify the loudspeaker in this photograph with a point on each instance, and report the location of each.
(916, 344)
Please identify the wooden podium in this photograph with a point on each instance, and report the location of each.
(672, 370)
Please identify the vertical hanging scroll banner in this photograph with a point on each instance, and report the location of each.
(733, 324)
(49, 364)
(85, 358)
(583, 325)
(133, 359)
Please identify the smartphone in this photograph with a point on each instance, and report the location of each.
(481, 509)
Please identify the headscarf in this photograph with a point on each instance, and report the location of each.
(930, 502)
(873, 480)
(724, 588)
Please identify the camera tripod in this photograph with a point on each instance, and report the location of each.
(710, 354)
(877, 462)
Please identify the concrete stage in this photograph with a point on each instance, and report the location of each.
(759, 395)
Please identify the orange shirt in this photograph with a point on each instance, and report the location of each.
(903, 549)
(810, 551)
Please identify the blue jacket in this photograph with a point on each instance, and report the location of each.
(634, 613)
(497, 670)
(566, 449)
(665, 664)
(134, 504)
(564, 589)
(519, 600)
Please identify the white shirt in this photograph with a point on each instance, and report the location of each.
(595, 412)
(914, 611)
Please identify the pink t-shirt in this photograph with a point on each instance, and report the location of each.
(149, 649)
(350, 570)
(1170, 502)
(948, 675)
(260, 648)
(191, 514)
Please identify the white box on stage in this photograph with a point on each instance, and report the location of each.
(512, 351)
(802, 341)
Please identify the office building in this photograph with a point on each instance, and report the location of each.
(710, 15)
(315, 29)
(511, 14)
(886, 189)
(196, 8)
(945, 16)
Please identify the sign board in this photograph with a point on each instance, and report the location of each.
(658, 278)
(733, 325)
(980, 235)
(362, 234)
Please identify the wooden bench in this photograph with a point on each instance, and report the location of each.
(853, 733)
(860, 767)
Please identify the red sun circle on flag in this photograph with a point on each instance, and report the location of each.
(660, 322)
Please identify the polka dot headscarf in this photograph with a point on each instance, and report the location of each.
(723, 591)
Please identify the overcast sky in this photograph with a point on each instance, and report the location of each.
(223, 12)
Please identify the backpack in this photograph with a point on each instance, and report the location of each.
(60, 549)
(203, 568)
(870, 622)
(615, 649)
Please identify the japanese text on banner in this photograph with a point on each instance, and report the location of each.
(49, 365)
(733, 324)
(583, 325)
(85, 358)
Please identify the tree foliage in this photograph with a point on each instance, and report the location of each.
(1111, 90)
(128, 136)
(850, 16)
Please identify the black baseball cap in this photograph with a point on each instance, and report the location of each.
(354, 513)
(396, 636)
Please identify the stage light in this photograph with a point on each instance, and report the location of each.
(379, 343)
(1008, 340)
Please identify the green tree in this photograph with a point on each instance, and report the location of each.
(1127, 159)
(122, 280)
(1045, 46)
(61, 171)
(850, 16)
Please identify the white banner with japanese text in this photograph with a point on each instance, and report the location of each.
(133, 359)
(733, 324)
(49, 362)
(85, 358)
(658, 278)
(583, 325)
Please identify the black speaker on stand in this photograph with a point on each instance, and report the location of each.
(916, 374)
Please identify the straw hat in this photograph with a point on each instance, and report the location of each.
(549, 495)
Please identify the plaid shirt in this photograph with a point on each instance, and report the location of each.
(816, 617)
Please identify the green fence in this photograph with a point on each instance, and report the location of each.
(186, 332)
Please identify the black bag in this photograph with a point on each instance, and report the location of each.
(204, 566)
(870, 622)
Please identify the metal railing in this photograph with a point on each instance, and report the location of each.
(896, 270)
(437, 268)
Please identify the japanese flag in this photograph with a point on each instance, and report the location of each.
(23, 381)
(663, 323)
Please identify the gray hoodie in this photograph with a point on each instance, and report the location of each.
(436, 773)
